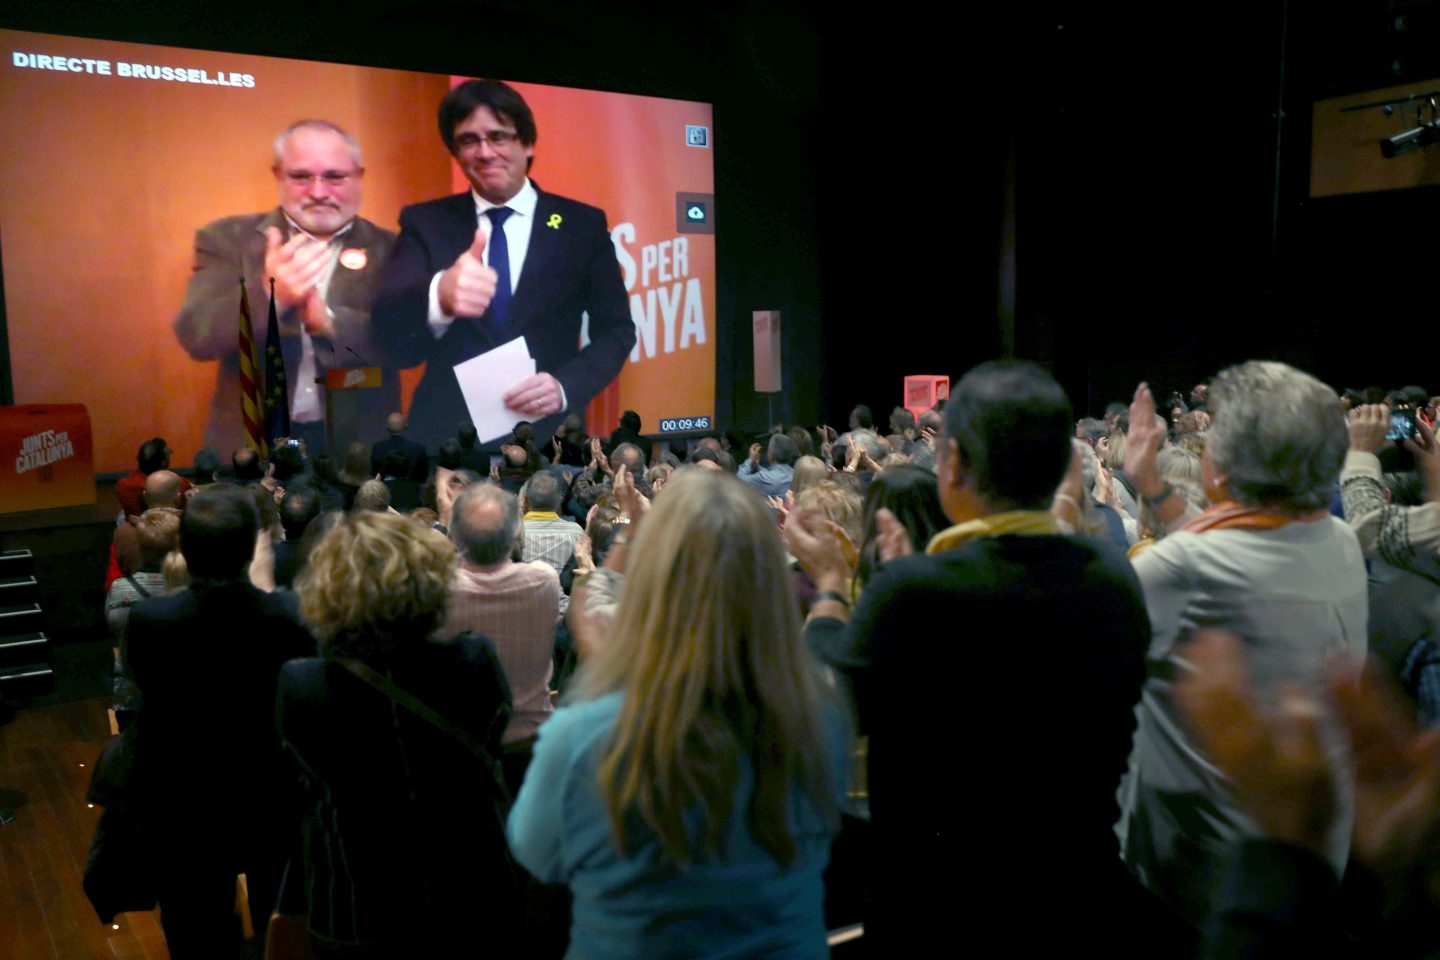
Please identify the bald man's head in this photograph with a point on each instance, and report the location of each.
(395, 423)
(162, 489)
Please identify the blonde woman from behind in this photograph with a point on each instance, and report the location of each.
(689, 794)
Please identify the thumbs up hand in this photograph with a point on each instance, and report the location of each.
(468, 285)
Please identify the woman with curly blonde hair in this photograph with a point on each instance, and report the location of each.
(689, 794)
(388, 864)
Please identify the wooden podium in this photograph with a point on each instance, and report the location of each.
(347, 389)
(46, 457)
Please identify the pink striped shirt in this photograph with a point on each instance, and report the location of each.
(516, 606)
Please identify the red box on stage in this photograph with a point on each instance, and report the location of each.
(923, 391)
(46, 457)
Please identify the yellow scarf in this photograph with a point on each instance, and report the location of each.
(1023, 522)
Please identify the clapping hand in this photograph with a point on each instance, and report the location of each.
(633, 504)
(1142, 440)
(893, 540)
(297, 265)
(1274, 758)
(584, 555)
(824, 550)
(1281, 768)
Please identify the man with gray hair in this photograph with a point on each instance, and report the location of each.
(774, 478)
(326, 263)
(548, 536)
(598, 476)
(1265, 561)
(514, 604)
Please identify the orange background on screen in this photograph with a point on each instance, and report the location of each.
(106, 179)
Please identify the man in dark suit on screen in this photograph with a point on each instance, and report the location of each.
(475, 270)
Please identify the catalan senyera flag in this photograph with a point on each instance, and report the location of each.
(277, 385)
(251, 399)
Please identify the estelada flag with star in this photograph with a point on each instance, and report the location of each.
(277, 387)
(252, 401)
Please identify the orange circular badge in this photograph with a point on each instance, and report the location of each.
(353, 258)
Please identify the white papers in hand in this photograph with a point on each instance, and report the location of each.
(484, 380)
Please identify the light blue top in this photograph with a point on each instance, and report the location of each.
(742, 904)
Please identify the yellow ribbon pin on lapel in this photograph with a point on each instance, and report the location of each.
(554, 222)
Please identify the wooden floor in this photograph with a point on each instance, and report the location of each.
(46, 754)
